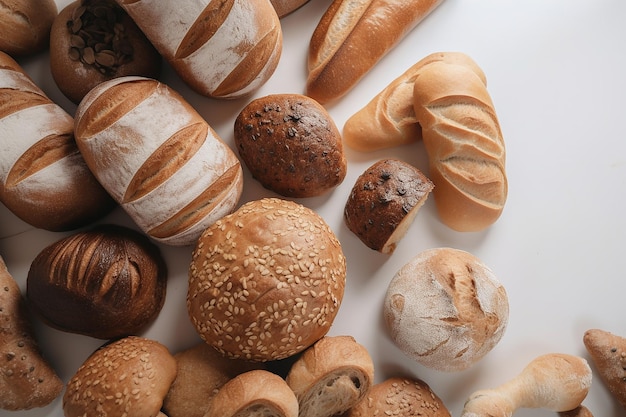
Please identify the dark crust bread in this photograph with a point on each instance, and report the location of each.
(74, 77)
(384, 201)
(291, 145)
(107, 282)
(608, 354)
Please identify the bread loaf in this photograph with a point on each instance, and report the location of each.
(464, 143)
(285, 7)
(266, 281)
(331, 376)
(25, 25)
(92, 41)
(107, 282)
(221, 49)
(608, 354)
(43, 177)
(446, 309)
(158, 158)
(352, 36)
(388, 120)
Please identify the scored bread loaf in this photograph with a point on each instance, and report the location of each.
(158, 158)
(221, 49)
(352, 37)
(464, 143)
(43, 177)
(25, 25)
(389, 120)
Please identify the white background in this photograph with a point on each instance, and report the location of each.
(555, 71)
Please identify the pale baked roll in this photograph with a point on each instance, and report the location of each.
(222, 49)
(43, 177)
(464, 143)
(158, 158)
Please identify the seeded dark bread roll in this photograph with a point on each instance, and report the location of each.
(331, 376)
(158, 158)
(608, 354)
(402, 397)
(92, 41)
(44, 179)
(384, 202)
(291, 145)
(129, 376)
(223, 49)
(446, 309)
(27, 380)
(201, 372)
(266, 281)
(107, 282)
(25, 25)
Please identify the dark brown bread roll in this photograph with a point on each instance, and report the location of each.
(291, 145)
(106, 283)
(92, 41)
(25, 25)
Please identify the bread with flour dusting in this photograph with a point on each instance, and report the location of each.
(158, 158)
(222, 49)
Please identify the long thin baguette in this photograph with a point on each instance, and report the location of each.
(352, 36)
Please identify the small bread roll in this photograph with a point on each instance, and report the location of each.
(331, 376)
(401, 397)
(92, 41)
(266, 281)
(608, 354)
(384, 202)
(291, 145)
(106, 283)
(446, 309)
(25, 25)
(129, 377)
(201, 372)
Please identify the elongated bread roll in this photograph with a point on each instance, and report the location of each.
(43, 177)
(221, 49)
(158, 158)
(464, 143)
(352, 36)
(388, 120)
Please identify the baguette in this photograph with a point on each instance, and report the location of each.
(43, 177)
(464, 143)
(388, 120)
(158, 158)
(352, 36)
(221, 49)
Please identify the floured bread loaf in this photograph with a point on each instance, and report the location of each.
(446, 309)
(158, 158)
(43, 177)
(221, 49)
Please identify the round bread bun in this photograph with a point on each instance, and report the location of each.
(92, 41)
(400, 397)
(201, 372)
(128, 377)
(266, 281)
(384, 202)
(25, 25)
(446, 309)
(285, 7)
(106, 283)
(291, 145)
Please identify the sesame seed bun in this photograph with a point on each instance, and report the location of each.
(266, 281)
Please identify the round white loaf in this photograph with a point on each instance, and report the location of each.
(158, 158)
(446, 309)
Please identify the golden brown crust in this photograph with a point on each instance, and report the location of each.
(291, 145)
(402, 397)
(107, 282)
(26, 379)
(266, 281)
(580, 411)
(25, 25)
(285, 7)
(384, 201)
(331, 376)
(608, 354)
(77, 64)
(130, 376)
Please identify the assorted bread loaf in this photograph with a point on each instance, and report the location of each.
(25, 25)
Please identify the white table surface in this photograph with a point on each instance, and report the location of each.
(556, 73)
